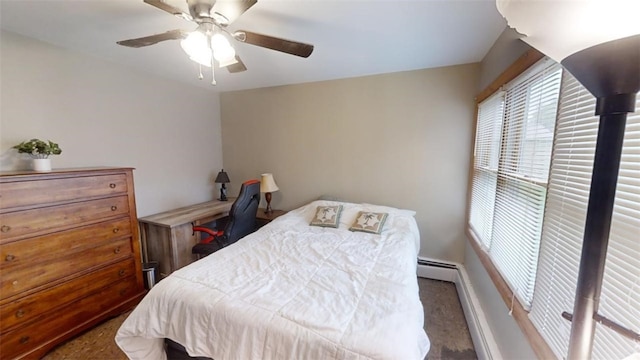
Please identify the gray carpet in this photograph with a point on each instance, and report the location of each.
(444, 323)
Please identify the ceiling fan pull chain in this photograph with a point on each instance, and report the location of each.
(210, 43)
(213, 75)
(200, 76)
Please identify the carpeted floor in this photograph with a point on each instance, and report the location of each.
(444, 323)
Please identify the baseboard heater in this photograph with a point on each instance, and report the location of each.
(438, 264)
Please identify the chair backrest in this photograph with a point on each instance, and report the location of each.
(242, 216)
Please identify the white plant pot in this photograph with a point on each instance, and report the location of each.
(41, 164)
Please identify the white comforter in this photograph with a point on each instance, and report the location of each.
(292, 291)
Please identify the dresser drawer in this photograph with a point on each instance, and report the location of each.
(44, 220)
(63, 244)
(56, 323)
(25, 309)
(37, 192)
(31, 276)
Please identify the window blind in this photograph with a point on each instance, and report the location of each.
(530, 114)
(620, 297)
(507, 202)
(485, 165)
(562, 234)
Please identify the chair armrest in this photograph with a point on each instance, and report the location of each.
(212, 233)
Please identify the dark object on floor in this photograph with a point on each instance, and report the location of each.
(176, 351)
(150, 274)
(242, 221)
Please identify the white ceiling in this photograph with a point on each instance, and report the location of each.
(351, 37)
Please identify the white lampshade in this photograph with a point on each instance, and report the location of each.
(222, 49)
(559, 28)
(267, 184)
(195, 45)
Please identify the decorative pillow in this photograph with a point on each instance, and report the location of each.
(327, 216)
(370, 222)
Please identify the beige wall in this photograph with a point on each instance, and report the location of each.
(103, 114)
(398, 139)
(507, 49)
(512, 342)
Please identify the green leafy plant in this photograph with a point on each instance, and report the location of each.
(38, 149)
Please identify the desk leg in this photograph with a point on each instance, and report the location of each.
(143, 240)
(182, 240)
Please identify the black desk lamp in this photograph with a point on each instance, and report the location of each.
(223, 179)
(598, 42)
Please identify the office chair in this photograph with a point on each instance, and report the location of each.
(241, 222)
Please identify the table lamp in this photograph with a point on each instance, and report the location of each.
(267, 186)
(223, 179)
(598, 42)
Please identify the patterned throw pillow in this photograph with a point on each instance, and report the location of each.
(370, 222)
(327, 216)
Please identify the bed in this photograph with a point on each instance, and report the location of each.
(293, 291)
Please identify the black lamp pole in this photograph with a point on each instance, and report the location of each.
(611, 72)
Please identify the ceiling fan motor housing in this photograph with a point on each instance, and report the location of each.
(202, 11)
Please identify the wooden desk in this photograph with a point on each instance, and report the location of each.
(168, 237)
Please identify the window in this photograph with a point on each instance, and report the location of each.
(485, 175)
(533, 158)
(511, 164)
(570, 179)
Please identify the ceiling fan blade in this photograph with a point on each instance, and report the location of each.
(237, 67)
(274, 43)
(232, 9)
(170, 9)
(153, 39)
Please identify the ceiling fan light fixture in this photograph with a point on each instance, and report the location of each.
(195, 45)
(203, 60)
(210, 42)
(198, 49)
(222, 50)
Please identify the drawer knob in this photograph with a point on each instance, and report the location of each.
(24, 340)
(121, 272)
(9, 257)
(20, 313)
(112, 185)
(123, 291)
(115, 230)
(5, 228)
(117, 250)
(114, 208)
(14, 283)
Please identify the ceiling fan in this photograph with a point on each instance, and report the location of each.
(209, 41)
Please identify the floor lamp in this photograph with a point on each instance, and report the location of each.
(598, 42)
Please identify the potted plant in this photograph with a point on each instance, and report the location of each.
(39, 151)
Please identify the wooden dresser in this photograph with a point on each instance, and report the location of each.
(69, 255)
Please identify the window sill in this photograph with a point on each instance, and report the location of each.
(519, 313)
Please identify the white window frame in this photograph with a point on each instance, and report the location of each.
(509, 224)
(620, 299)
